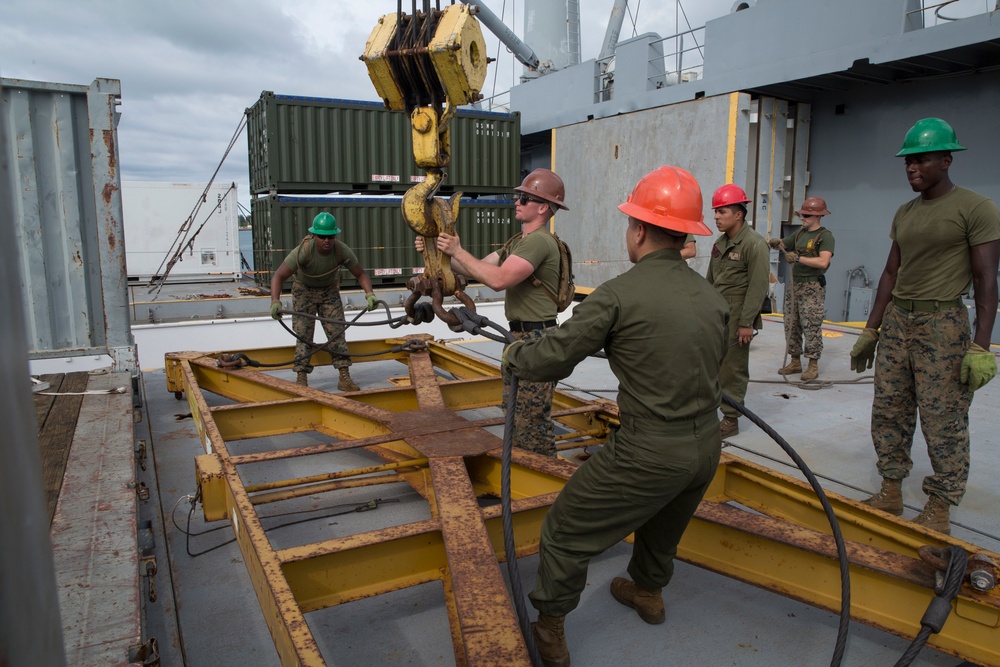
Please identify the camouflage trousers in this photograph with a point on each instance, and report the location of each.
(324, 302)
(805, 304)
(533, 410)
(917, 369)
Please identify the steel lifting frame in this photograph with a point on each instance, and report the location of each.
(754, 525)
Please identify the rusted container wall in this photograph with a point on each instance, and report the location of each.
(311, 145)
(374, 229)
(63, 156)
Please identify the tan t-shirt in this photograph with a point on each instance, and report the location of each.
(524, 302)
(314, 269)
(934, 238)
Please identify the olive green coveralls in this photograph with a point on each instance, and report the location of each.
(663, 328)
(739, 270)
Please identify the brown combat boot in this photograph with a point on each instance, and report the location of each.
(794, 366)
(935, 515)
(346, 383)
(729, 426)
(550, 640)
(812, 372)
(302, 378)
(889, 498)
(648, 604)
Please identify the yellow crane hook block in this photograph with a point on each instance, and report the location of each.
(428, 65)
(456, 51)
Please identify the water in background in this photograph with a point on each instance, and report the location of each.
(246, 247)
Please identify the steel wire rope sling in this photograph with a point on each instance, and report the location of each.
(182, 241)
(239, 360)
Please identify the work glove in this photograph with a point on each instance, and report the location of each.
(774, 243)
(503, 355)
(978, 367)
(863, 353)
(276, 310)
(372, 299)
(791, 257)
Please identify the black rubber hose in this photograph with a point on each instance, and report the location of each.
(508, 528)
(845, 574)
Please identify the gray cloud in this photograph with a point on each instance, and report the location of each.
(189, 69)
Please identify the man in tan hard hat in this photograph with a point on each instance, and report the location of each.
(808, 252)
(530, 309)
(653, 472)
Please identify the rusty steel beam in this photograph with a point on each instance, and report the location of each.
(755, 525)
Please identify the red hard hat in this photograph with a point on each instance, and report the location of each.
(544, 184)
(729, 195)
(668, 197)
(814, 206)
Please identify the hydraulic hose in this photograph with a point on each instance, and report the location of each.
(845, 575)
(513, 573)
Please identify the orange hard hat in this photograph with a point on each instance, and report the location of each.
(729, 195)
(544, 184)
(813, 206)
(668, 197)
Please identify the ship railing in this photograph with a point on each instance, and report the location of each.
(670, 60)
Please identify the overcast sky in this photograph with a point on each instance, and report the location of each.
(189, 69)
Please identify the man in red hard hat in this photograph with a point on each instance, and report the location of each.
(739, 270)
(808, 252)
(663, 328)
(943, 241)
(530, 309)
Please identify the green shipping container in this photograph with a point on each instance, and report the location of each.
(373, 227)
(303, 145)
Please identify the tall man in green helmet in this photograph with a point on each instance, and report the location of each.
(664, 330)
(808, 251)
(315, 264)
(943, 241)
(530, 310)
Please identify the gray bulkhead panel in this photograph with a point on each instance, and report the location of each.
(855, 135)
(602, 160)
(63, 152)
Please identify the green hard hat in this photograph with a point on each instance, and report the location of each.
(929, 135)
(324, 224)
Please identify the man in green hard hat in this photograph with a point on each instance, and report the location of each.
(315, 264)
(943, 241)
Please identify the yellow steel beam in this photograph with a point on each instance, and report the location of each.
(755, 525)
(789, 550)
(291, 635)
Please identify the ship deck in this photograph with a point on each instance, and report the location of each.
(206, 612)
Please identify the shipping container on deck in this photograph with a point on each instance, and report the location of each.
(374, 229)
(311, 145)
(154, 216)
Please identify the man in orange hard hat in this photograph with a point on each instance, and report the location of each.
(943, 241)
(739, 270)
(530, 309)
(809, 250)
(651, 475)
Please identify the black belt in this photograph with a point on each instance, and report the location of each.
(521, 327)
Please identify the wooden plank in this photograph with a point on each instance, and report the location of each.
(94, 531)
(55, 433)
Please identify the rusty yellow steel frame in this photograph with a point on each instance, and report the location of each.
(414, 429)
(755, 525)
